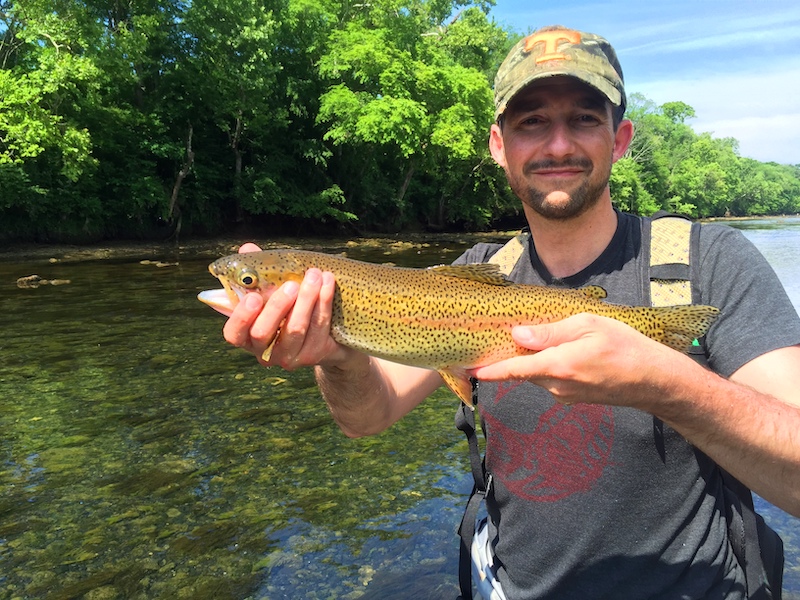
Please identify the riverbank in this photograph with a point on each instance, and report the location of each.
(219, 246)
(212, 248)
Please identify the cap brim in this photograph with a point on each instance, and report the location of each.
(599, 83)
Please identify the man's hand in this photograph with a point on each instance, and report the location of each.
(298, 315)
(588, 358)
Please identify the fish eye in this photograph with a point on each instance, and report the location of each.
(248, 278)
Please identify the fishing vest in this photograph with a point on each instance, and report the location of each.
(674, 240)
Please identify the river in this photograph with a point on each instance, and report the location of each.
(142, 457)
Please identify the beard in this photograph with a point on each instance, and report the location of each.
(579, 200)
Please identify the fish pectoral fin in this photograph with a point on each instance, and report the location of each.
(267, 354)
(482, 272)
(460, 384)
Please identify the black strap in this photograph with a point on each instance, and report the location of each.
(465, 422)
(676, 271)
(756, 545)
(741, 528)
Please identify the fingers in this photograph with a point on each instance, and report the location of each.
(298, 315)
(248, 247)
(552, 343)
(584, 358)
(519, 367)
(276, 309)
(319, 330)
(254, 323)
(295, 330)
(549, 335)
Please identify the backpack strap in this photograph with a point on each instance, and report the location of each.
(465, 421)
(505, 258)
(670, 268)
(673, 242)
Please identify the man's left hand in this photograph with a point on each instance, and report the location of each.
(588, 358)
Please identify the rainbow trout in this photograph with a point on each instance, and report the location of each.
(447, 318)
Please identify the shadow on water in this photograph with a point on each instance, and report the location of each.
(142, 457)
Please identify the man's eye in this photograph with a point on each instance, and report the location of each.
(588, 120)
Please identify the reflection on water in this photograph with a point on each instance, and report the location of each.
(142, 457)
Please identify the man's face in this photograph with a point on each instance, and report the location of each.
(557, 145)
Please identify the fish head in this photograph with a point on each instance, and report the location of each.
(241, 274)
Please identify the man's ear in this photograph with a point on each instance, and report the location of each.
(622, 139)
(496, 146)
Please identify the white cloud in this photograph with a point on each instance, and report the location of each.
(760, 109)
(741, 34)
(768, 138)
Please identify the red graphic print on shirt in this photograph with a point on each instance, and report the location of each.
(565, 454)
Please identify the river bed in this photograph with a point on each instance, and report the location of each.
(142, 457)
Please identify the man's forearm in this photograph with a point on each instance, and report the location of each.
(355, 395)
(366, 395)
(752, 435)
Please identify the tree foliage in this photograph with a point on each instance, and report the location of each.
(670, 167)
(124, 118)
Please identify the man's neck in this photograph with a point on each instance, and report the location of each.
(566, 247)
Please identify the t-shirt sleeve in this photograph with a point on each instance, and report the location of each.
(756, 314)
(479, 253)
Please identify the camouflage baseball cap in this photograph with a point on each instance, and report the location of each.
(556, 50)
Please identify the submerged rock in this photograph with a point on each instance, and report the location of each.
(34, 281)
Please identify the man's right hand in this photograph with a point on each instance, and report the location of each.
(365, 395)
(298, 314)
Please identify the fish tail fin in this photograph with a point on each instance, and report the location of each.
(679, 326)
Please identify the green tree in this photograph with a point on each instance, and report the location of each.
(628, 193)
(706, 179)
(121, 118)
(43, 147)
(766, 189)
(409, 121)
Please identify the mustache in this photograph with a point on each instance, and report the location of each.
(577, 162)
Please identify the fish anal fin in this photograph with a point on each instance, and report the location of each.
(482, 272)
(594, 291)
(460, 384)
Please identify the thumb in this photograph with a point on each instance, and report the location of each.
(248, 247)
(536, 337)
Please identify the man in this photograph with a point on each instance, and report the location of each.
(603, 445)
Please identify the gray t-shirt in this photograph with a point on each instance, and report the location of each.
(591, 501)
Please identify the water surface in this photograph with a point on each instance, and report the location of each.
(142, 457)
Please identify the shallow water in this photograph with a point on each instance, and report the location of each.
(142, 457)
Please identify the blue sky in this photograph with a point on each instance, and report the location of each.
(736, 62)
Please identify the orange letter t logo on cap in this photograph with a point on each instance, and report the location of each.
(551, 39)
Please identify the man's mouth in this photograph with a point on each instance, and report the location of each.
(559, 169)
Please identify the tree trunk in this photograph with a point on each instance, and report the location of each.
(401, 194)
(235, 138)
(185, 169)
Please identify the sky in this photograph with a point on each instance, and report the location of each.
(736, 62)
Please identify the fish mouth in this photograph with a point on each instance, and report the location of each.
(222, 300)
(218, 300)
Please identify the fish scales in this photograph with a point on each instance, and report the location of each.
(446, 318)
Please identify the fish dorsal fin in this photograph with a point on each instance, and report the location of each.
(482, 272)
(594, 291)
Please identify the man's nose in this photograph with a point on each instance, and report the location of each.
(560, 140)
